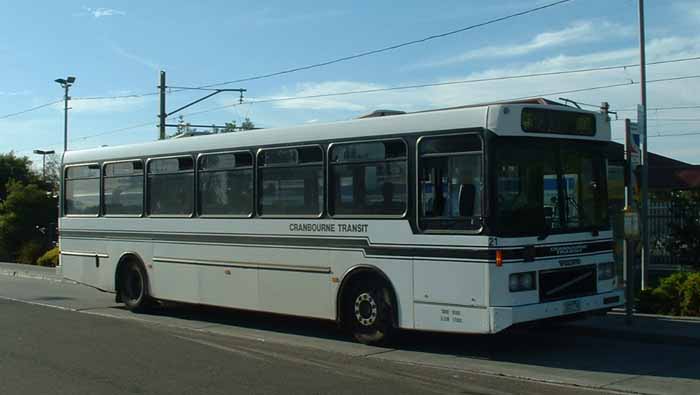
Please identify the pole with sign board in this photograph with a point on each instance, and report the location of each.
(633, 159)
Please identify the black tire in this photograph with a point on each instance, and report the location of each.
(133, 289)
(368, 312)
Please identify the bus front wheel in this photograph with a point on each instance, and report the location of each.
(133, 289)
(368, 312)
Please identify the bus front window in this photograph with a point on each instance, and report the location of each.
(548, 186)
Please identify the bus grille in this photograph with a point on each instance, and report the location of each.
(567, 283)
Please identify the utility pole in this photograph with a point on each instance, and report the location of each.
(65, 83)
(642, 120)
(162, 115)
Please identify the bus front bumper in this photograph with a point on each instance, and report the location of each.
(503, 317)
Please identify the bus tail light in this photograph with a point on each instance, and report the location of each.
(499, 258)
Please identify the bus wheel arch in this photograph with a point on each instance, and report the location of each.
(132, 270)
(369, 289)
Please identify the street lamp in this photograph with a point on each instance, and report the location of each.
(65, 83)
(44, 153)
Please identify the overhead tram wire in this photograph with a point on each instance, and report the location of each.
(390, 47)
(427, 85)
(665, 135)
(662, 108)
(459, 82)
(14, 114)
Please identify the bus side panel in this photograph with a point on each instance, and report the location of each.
(229, 287)
(83, 269)
(175, 281)
(286, 288)
(451, 296)
(457, 283)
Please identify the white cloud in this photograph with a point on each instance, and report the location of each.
(578, 32)
(324, 103)
(105, 105)
(16, 93)
(136, 58)
(102, 12)
(682, 92)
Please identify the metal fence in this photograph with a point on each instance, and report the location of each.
(663, 215)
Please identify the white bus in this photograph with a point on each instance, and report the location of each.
(462, 220)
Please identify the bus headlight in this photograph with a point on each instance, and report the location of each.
(606, 271)
(518, 282)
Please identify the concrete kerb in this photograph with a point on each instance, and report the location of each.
(27, 271)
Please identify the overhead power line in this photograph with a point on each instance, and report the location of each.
(30, 109)
(391, 47)
(471, 81)
(661, 108)
(665, 135)
(116, 97)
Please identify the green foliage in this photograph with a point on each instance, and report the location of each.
(29, 252)
(50, 258)
(685, 235)
(229, 127)
(678, 294)
(26, 209)
(15, 168)
(690, 305)
(247, 124)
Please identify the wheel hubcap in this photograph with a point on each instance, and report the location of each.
(365, 309)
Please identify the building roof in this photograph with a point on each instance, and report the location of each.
(664, 172)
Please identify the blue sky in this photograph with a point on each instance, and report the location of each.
(118, 47)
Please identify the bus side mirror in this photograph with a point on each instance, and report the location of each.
(467, 194)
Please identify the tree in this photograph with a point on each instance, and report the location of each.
(684, 240)
(230, 127)
(27, 210)
(247, 124)
(53, 172)
(183, 128)
(16, 168)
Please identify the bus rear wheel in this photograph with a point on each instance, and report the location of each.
(368, 312)
(133, 289)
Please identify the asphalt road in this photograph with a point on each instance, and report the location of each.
(58, 337)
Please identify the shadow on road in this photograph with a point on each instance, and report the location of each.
(553, 345)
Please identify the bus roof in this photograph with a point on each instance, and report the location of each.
(501, 118)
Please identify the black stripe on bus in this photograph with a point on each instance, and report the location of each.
(485, 254)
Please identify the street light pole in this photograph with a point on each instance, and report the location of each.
(65, 118)
(65, 83)
(43, 154)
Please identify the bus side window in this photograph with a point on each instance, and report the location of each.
(450, 179)
(290, 181)
(368, 178)
(171, 186)
(123, 188)
(82, 190)
(225, 184)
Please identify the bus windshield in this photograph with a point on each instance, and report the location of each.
(545, 186)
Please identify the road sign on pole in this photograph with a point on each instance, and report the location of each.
(633, 159)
